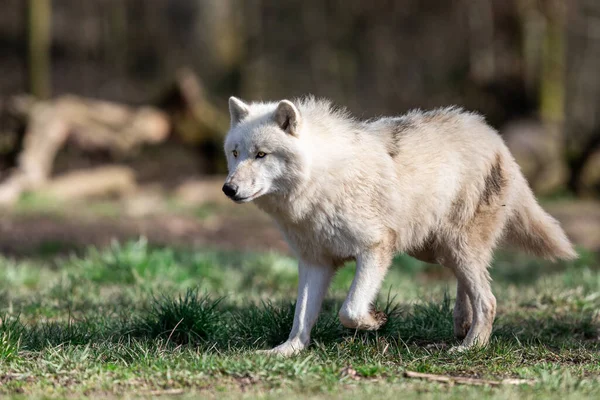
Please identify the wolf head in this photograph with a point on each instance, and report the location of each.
(264, 149)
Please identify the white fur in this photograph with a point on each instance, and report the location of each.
(439, 185)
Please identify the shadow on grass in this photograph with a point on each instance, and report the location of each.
(212, 324)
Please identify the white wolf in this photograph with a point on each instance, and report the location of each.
(439, 185)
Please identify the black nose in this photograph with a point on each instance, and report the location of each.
(230, 189)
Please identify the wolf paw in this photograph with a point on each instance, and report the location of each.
(368, 322)
(379, 317)
(458, 349)
(286, 349)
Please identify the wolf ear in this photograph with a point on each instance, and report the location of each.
(238, 110)
(287, 117)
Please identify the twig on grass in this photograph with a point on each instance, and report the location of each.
(173, 331)
(466, 380)
(164, 392)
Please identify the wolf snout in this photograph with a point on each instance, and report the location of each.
(230, 189)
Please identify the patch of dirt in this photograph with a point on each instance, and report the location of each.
(216, 223)
(22, 235)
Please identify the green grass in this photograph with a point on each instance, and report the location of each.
(132, 320)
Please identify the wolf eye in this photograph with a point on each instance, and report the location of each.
(260, 154)
(235, 153)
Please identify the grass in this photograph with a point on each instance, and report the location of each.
(132, 320)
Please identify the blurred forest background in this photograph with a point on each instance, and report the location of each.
(118, 108)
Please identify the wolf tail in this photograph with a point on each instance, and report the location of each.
(535, 231)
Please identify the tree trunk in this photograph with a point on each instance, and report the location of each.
(39, 34)
(552, 82)
(582, 86)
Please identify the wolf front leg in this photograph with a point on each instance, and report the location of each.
(312, 286)
(358, 311)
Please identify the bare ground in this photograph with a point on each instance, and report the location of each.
(223, 225)
(22, 235)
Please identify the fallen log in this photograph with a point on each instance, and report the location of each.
(90, 183)
(90, 124)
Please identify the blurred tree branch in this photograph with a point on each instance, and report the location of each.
(194, 118)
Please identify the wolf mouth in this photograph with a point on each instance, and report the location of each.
(248, 198)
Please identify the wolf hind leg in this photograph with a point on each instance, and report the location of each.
(476, 283)
(463, 312)
(475, 307)
(469, 258)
